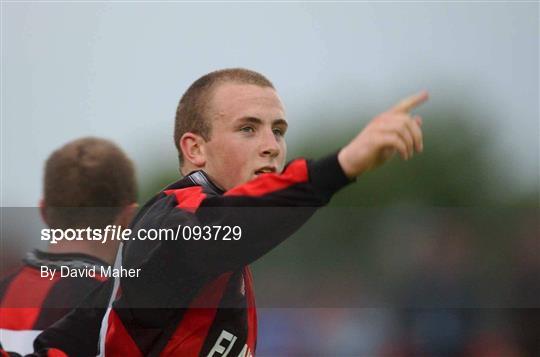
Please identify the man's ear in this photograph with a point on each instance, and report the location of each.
(193, 150)
(125, 216)
(43, 210)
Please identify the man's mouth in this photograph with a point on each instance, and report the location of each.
(265, 170)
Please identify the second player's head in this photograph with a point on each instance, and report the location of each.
(231, 124)
(88, 182)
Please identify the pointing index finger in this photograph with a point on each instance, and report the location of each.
(408, 104)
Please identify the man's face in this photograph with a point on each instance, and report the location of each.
(247, 135)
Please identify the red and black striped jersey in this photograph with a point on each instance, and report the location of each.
(194, 297)
(30, 302)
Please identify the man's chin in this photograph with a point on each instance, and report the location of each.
(251, 178)
(258, 175)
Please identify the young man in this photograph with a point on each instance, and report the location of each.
(195, 295)
(88, 182)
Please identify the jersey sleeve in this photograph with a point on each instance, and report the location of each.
(267, 209)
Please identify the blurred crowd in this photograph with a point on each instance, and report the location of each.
(444, 294)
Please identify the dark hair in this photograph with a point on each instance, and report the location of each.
(86, 184)
(191, 115)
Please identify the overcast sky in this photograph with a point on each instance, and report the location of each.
(118, 69)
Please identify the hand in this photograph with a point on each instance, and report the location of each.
(392, 131)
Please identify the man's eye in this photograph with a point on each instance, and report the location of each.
(247, 129)
(278, 132)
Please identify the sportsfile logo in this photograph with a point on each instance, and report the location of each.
(112, 232)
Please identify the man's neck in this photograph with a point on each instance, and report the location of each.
(103, 252)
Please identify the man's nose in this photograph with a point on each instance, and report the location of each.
(269, 146)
